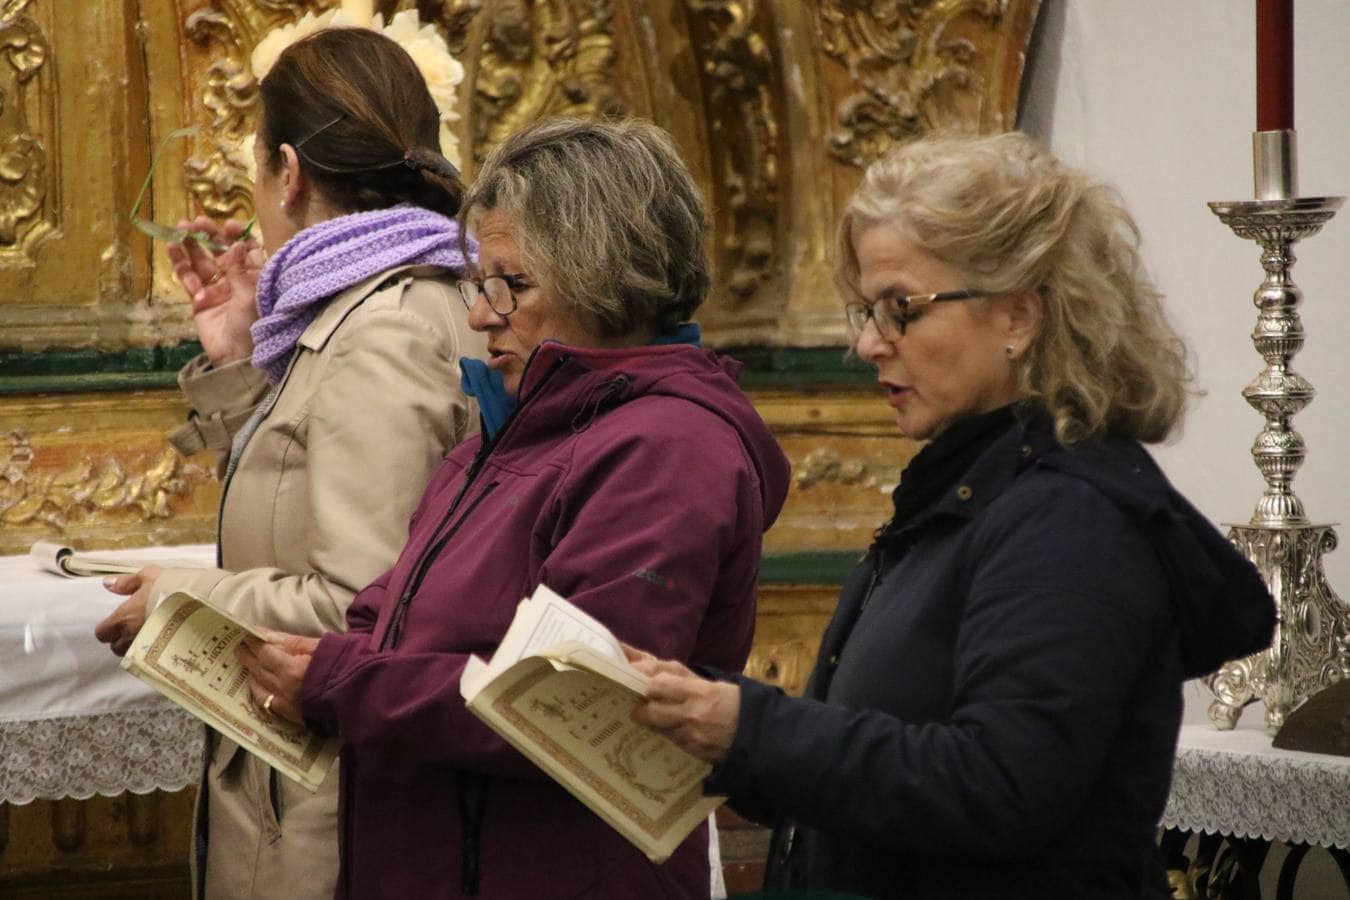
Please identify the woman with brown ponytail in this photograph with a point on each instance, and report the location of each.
(330, 387)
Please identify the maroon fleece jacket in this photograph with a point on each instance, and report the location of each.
(636, 482)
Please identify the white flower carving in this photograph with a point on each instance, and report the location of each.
(422, 41)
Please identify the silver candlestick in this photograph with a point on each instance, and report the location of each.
(1311, 649)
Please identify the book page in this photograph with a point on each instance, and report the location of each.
(62, 560)
(578, 727)
(576, 655)
(546, 620)
(561, 691)
(186, 650)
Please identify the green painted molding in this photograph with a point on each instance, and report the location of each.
(799, 367)
(68, 371)
(142, 368)
(808, 567)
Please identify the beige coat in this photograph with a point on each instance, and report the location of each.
(316, 507)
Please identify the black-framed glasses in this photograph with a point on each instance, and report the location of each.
(167, 232)
(892, 314)
(500, 291)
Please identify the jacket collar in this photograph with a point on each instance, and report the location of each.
(543, 358)
(568, 388)
(316, 335)
(561, 381)
(1223, 608)
(1022, 445)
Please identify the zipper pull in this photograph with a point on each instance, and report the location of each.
(872, 580)
(395, 629)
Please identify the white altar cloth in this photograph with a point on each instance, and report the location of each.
(1236, 783)
(72, 723)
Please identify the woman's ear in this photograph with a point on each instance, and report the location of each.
(292, 177)
(1025, 314)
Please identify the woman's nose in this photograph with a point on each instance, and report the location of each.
(482, 316)
(871, 346)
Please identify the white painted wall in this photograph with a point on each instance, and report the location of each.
(1158, 97)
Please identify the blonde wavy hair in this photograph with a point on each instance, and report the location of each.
(1011, 218)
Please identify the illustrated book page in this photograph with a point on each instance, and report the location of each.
(560, 690)
(186, 651)
(71, 563)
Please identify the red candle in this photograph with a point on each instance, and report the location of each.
(1274, 64)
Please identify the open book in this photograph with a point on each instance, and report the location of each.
(62, 560)
(186, 651)
(561, 691)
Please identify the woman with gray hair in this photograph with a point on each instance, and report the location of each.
(995, 705)
(598, 409)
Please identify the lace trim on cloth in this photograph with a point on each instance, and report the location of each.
(1269, 794)
(135, 750)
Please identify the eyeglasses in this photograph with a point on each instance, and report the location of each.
(893, 313)
(500, 291)
(165, 232)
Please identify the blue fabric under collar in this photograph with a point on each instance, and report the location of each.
(485, 385)
(496, 404)
(688, 333)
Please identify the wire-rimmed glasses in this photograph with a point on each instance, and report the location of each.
(892, 313)
(166, 232)
(500, 291)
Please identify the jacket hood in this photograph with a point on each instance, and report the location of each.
(1223, 608)
(674, 370)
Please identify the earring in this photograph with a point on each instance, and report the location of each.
(283, 206)
(1009, 350)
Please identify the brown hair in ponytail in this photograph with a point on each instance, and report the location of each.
(366, 131)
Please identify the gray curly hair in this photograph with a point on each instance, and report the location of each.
(1011, 218)
(607, 215)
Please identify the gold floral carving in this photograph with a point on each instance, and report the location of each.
(788, 625)
(226, 33)
(87, 490)
(786, 663)
(454, 16)
(825, 466)
(539, 58)
(23, 161)
(734, 39)
(916, 64)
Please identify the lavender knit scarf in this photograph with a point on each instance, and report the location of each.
(329, 257)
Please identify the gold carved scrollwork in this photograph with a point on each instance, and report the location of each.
(786, 663)
(454, 16)
(744, 124)
(85, 490)
(826, 466)
(910, 60)
(539, 58)
(23, 159)
(227, 33)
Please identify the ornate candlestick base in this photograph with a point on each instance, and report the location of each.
(1311, 637)
(1311, 649)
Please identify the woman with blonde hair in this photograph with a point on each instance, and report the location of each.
(995, 706)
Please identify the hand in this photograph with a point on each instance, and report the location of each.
(223, 287)
(276, 669)
(121, 627)
(697, 714)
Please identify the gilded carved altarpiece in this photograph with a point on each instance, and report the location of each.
(776, 104)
